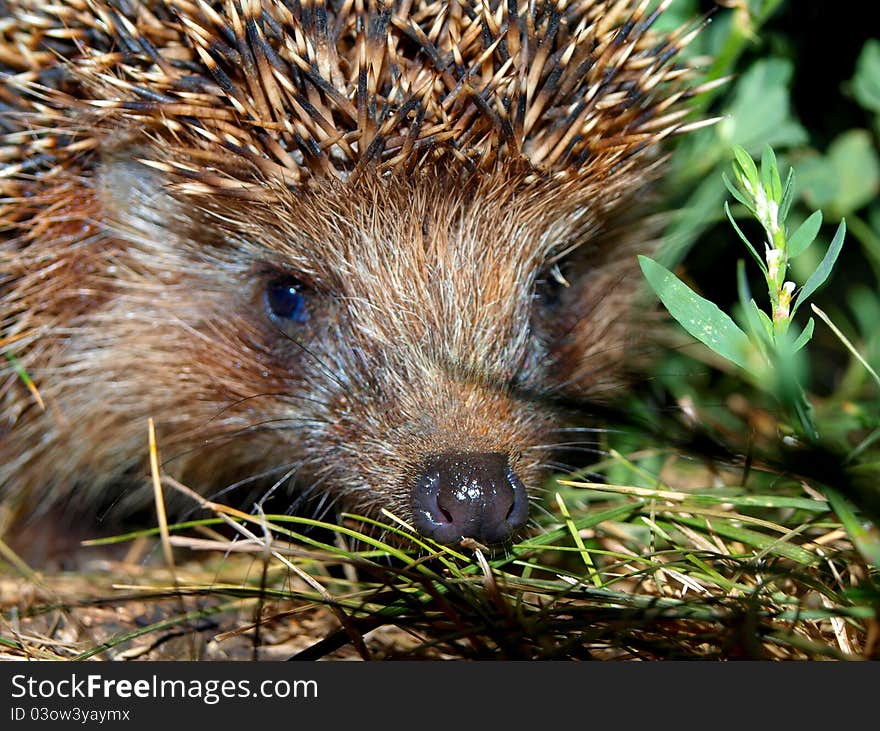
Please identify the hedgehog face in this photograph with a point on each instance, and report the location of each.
(372, 341)
(420, 332)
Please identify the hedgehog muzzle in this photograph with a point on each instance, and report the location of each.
(469, 495)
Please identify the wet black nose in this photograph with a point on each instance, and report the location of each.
(469, 495)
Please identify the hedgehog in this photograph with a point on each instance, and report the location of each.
(343, 253)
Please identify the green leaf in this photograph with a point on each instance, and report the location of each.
(761, 110)
(749, 537)
(747, 165)
(700, 317)
(805, 235)
(738, 194)
(750, 311)
(745, 240)
(770, 174)
(777, 182)
(761, 501)
(805, 336)
(866, 82)
(787, 196)
(857, 168)
(789, 372)
(864, 536)
(742, 283)
(818, 180)
(817, 279)
(620, 512)
(764, 319)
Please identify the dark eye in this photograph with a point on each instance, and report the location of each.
(551, 287)
(285, 301)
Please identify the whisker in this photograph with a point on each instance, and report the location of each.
(291, 467)
(322, 366)
(588, 430)
(286, 476)
(539, 507)
(281, 395)
(569, 447)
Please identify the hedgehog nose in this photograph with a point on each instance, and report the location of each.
(469, 495)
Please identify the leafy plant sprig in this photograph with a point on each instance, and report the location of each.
(768, 346)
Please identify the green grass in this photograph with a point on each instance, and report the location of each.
(711, 562)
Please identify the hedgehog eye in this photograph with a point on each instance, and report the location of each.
(285, 301)
(550, 288)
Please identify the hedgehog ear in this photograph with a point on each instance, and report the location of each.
(136, 200)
